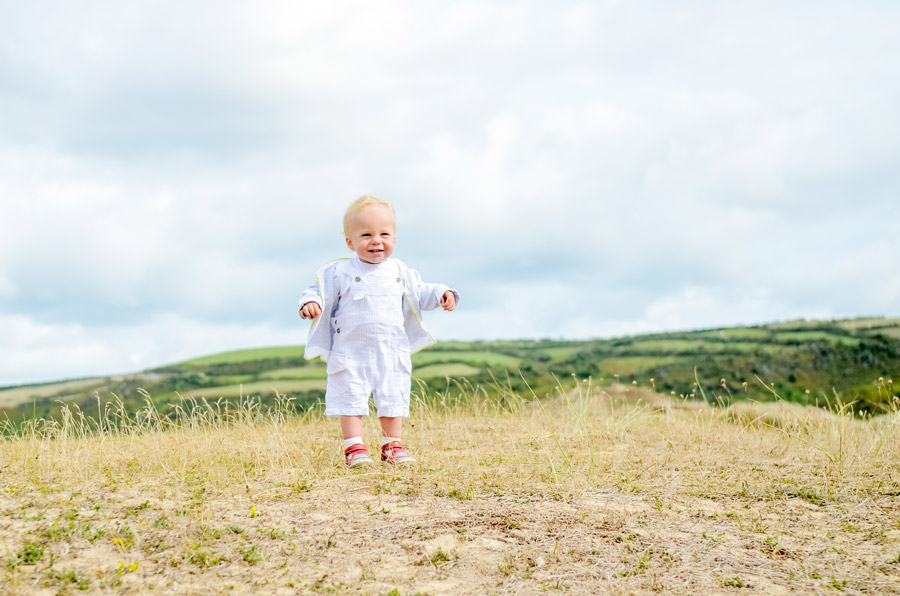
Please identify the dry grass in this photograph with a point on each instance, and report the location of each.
(621, 491)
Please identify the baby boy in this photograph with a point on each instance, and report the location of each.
(373, 306)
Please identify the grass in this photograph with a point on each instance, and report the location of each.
(616, 490)
(452, 369)
(255, 388)
(671, 345)
(815, 336)
(238, 356)
(868, 323)
(889, 331)
(816, 356)
(16, 395)
(740, 333)
(478, 359)
(559, 354)
(694, 346)
(298, 372)
(629, 365)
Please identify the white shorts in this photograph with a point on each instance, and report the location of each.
(351, 382)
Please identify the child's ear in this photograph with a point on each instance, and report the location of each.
(349, 243)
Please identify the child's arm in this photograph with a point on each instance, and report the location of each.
(432, 295)
(311, 302)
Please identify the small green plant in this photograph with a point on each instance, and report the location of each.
(643, 562)
(508, 566)
(440, 558)
(31, 553)
(70, 579)
(466, 493)
(733, 582)
(203, 559)
(252, 555)
(124, 538)
(838, 584)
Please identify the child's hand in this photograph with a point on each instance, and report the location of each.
(448, 300)
(310, 310)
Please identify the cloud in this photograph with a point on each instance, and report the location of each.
(71, 350)
(575, 169)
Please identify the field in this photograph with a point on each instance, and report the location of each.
(810, 362)
(616, 490)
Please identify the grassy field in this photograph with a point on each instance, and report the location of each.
(615, 490)
(243, 356)
(465, 357)
(810, 361)
(17, 395)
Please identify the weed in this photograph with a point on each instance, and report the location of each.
(127, 568)
(807, 494)
(508, 566)
(639, 566)
(252, 555)
(733, 582)
(439, 558)
(203, 558)
(70, 579)
(31, 553)
(465, 494)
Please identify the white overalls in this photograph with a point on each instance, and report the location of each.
(370, 352)
(366, 332)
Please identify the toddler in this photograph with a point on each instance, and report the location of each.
(373, 306)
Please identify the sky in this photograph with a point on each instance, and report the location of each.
(172, 173)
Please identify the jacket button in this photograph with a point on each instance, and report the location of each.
(398, 280)
(356, 279)
(338, 331)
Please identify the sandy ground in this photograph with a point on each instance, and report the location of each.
(665, 508)
(375, 532)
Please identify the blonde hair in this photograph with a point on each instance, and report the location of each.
(360, 204)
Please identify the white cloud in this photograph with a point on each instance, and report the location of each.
(47, 351)
(638, 165)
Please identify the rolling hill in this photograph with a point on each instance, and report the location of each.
(800, 361)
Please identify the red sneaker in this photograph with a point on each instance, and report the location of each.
(357, 455)
(394, 454)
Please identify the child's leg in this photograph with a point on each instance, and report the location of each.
(355, 450)
(390, 426)
(352, 426)
(392, 450)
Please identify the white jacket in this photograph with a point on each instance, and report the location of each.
(418, 296)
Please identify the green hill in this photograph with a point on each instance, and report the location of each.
(804, 361)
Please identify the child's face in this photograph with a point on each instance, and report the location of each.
(372, 234)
